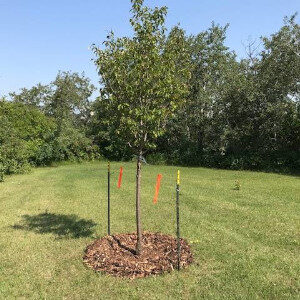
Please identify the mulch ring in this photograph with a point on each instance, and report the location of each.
(116, 255)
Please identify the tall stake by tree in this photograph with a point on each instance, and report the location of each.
(144, 81)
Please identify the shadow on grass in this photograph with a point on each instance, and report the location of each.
(62, 226)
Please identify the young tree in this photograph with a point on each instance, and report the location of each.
(145, 79)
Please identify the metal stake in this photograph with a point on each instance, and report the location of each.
(177, 219)
(108, 198)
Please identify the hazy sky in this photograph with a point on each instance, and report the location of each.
(40, 37)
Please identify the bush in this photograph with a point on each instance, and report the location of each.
(29, 138)
(14, 156)
(24, 129)
(156, 159)
(71, 144)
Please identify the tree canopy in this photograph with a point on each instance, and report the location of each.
(144, 78)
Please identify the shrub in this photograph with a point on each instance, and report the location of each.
(29, 138)
(156, 159)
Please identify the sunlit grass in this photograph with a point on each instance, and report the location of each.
(245, 242)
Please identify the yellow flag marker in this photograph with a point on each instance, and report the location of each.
(178, 177)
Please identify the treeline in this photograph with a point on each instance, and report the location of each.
(239, 114)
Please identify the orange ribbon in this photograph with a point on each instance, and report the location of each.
(120, 177)
(159, 176)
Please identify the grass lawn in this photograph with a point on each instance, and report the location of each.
(245, 242)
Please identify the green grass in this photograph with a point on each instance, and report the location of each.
(245, 242)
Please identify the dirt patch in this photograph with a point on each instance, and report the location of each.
(116, 255)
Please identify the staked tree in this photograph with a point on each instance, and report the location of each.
(145, 80)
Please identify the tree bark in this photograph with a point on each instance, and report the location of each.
(138, 206)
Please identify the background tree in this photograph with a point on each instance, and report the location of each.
(239, 114)
(143, 83)
(67, 98)
(37, 96)
(25, 137)
(261, 109)
(65, 105)
(71, 99)
(198, 128)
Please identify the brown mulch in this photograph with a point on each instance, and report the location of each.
(116, 255)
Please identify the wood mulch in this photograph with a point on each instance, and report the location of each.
(116, 255)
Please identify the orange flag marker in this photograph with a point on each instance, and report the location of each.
(120, 177)
(159, 176)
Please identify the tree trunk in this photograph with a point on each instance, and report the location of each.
(138, 206)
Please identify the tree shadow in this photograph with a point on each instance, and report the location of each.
(133, 251)
(62, 226)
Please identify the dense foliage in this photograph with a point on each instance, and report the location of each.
(238, 114)
(25, 135)
(45, 124)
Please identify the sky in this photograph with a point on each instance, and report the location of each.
(40, 37)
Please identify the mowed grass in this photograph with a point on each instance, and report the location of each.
(245, 242)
